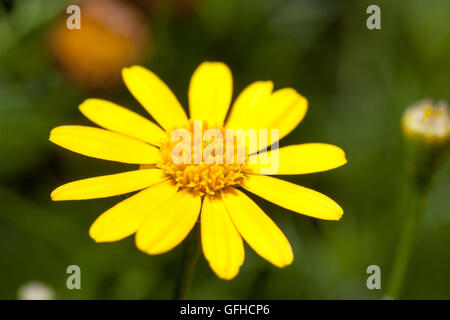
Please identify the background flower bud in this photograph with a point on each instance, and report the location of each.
(426, 128)
(35, 290)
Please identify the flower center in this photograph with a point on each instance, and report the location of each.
(204, 158)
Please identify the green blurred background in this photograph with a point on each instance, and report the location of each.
(357, 81)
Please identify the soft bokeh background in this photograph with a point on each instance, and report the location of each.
(357, 81)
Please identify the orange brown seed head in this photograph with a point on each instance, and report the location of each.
(112, 35)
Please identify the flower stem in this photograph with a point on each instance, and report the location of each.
(191, 254)
(417, 201)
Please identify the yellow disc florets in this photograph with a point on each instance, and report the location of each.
(204, 157)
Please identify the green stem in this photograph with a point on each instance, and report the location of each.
(191, 254)
(416, 203)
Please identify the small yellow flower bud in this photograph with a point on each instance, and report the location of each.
(426, 128)
(427, 122)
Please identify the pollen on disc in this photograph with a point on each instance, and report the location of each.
(204, 157)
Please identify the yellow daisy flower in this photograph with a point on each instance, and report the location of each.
(174, 195)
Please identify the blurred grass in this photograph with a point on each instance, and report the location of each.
(357, 82)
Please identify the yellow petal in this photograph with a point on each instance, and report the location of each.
(147, 166)
(155, 96)
(119, 119)
(248, 103)
(125, 217)
(282, 111)
(222, 245)
(168, 224)
(104, 144)
(298, 159)
(110, 185)
(294, 197)
(210, 92)
(258, 230)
